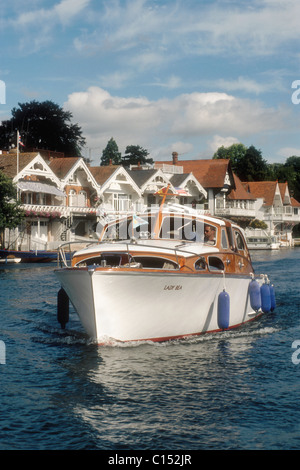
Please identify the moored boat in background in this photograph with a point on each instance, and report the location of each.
(263, 242)
(10, 260)
(30, 256)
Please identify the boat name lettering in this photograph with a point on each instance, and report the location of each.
(177, 287)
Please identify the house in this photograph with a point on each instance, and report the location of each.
(225, 193)
(184, 188)
(118, 191)
(41, 195)
(58, 195)
(82, 193)
(275, 206)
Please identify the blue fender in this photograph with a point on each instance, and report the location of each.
(223, 310)
(265, 298)
(255, 295)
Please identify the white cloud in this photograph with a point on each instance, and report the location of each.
(161, 123)
(63, 12)
(289, 151)
(219, 141)
(152, 30)
(66, 10)
(36, 26)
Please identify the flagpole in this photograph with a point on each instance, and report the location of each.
(18, 138)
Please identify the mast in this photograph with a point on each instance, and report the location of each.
(164, 193)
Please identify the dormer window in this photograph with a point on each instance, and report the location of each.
(73, 178)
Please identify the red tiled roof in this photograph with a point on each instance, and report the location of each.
(8, 162)
(240, 191)
(294, 202)
(210, 173)
(61, 166)
(102, 173)
(262, 189)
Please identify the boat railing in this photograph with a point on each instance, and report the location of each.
(65, 250)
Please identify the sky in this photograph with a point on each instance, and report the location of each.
(168, 75)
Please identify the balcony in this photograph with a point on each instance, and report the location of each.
(283, 214)
(40, 210)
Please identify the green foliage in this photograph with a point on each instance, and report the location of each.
(42, 125)
(134, 154)
(10, 212)
(253, 167)
(258, 224)
(292, 166)
(111, 154)
(235, 153)
(249, 165)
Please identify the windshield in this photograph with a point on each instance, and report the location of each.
(182, 228)
(136, 226)
(174, 227)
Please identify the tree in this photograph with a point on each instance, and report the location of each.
(247, 163)
(135, 154)
(111, 154)
(292, 164)
(253, 167)
(43, 125)
(11, 213)
(235, 153)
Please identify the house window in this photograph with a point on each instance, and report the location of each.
(122, 202)
(72, 198)
(41, 199)
(28, 198)
(82, 198)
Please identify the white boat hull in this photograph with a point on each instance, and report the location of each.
(135, 306)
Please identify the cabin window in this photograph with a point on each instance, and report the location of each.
(106, 259)
(239, 241)
(200, 264)
(210, 234)
(151, 262)
(224, 240)
(215, 263)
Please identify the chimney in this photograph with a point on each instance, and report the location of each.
(175, 158)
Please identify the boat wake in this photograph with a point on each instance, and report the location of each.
(234, 334)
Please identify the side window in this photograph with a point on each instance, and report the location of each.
(239, 241)
(215, 263)
(200, 264)
(224, 240)
(209, 234)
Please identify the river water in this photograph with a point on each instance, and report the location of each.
(236, 390)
